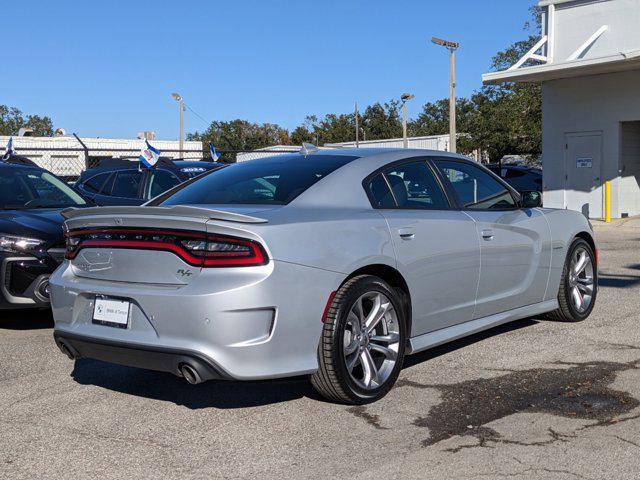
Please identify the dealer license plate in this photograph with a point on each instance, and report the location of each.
(111, 312)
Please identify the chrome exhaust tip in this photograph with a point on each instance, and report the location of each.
(190, 374)
(66, 350)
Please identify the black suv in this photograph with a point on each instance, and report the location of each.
(520, 177)
(31, 236)
(123, 182)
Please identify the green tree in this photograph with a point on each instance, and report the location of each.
(434, 118)
(238, 135)
(508, 116)
(380, 121)
(332, 128)
(12, 120)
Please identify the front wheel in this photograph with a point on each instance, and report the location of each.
(362, 346)
(579, 284)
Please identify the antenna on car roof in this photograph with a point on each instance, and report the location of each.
(308, 149)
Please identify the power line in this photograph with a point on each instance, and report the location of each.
(198, 115)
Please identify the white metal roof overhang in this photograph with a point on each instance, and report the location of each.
(576, 68)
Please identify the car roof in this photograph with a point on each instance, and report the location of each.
(30, 166)
(112, 165)
(16, 161)
(14, 166)
(515, 166)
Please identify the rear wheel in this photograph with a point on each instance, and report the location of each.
(362, 346)
(579, 284)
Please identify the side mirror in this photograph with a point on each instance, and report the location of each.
(530, 199)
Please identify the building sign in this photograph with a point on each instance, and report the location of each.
(584, 162)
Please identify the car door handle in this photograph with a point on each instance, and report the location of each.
(407, 233)
(487, 234)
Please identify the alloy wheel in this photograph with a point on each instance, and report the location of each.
(371, 340)
(581, 280)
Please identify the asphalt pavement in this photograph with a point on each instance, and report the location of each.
(533, 399)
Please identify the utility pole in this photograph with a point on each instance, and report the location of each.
(181, 145)
(357, 128)
(405, 97)
(178, 98)
(452, 101)
(452, 47)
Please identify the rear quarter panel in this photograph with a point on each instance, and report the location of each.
(335, 239)
(565, 225)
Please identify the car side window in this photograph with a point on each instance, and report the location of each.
(161, 181)
(380, 193)
(414, 187)
(126, 184)
(513, 173)
(95, 183)
(476, 189)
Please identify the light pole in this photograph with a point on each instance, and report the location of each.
(405, 97)
(178, 98)
(357, 127)
(452, 47)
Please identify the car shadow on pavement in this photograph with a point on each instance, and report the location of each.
(221, 394)
(230, 394)
(618, 280)
(25, 319)
(435, 352)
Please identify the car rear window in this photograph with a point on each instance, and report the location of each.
(268, 181)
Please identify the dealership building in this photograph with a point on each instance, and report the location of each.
(588, 62)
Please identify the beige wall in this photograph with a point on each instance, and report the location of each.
(589, 104)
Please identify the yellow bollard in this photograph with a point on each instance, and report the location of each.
(607, 201)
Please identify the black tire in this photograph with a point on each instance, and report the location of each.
(332, 379)
(566, 311)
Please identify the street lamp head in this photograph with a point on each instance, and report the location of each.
(445, 43)
(405, 97)
(176, 96)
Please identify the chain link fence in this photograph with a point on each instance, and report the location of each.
(69, 162)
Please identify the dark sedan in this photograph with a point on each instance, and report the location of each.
(31, 236)
(520, 177)
(123, 182)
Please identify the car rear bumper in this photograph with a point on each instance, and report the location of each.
(150, 357)
(245, 323)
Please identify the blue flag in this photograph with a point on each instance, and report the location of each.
(149, 155)
(214, 155)
(9, 152)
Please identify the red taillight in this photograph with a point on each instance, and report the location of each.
(195, 248)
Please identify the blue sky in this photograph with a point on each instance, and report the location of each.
(107, 68)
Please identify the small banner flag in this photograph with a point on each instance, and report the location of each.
(9, 152)
(149, 155)
(214, 154)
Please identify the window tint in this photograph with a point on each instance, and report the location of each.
(414, 186)
(161, 181)
(33, 188)
(513, 173)
(94, 184)
(126, 184)
(108, 186)
(271, 181)
(476, 189)
(380, 193)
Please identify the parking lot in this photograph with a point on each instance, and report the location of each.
(534, 399)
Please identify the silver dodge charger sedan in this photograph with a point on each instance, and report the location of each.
(334, 264)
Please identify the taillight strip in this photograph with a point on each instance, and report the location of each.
(255, 257)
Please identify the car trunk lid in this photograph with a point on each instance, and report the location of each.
(141, 244)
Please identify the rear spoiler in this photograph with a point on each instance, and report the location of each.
(172, 211)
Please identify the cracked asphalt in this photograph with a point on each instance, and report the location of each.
(533, 399)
